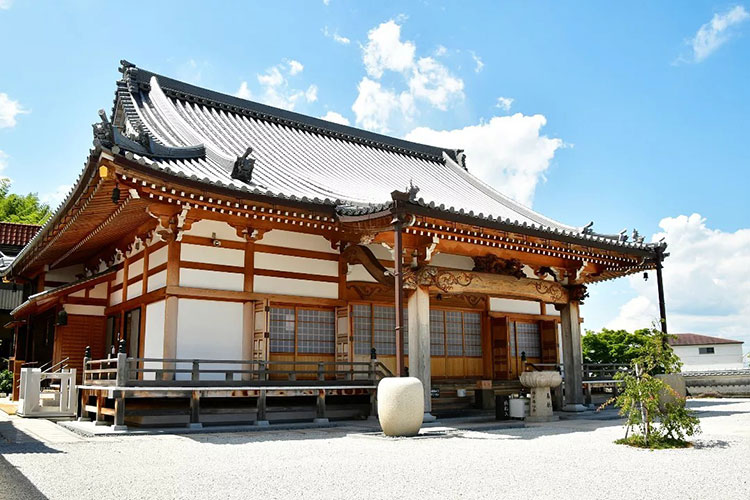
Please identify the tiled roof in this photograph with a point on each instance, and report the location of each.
(17, 234)
(697, 339)
(201, 135)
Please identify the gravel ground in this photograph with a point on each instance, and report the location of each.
(567, 459)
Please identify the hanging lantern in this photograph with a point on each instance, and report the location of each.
(62, 318)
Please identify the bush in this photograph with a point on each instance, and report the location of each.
(639, 399)
(6, 381)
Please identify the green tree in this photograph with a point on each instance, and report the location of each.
(24, 209)
(642, 400)
(613, 346)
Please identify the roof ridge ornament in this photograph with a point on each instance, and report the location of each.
(243, 167)
(412, 191)
(103, 131)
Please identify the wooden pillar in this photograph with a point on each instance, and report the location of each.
(248, 334)
(261, 418)
(572, 357)
(320, 408)
(120, 414)
(195, 405)
(419, 344)
(398, 257)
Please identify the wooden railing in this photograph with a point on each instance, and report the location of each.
(165, 372)
(600, 372)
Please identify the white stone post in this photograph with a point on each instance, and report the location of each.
(419, 345)
(572, 357)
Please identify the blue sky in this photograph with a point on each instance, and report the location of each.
(626, 114)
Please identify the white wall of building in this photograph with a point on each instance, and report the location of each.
(209, 329)
(514, 306)
(153, 342)
(725, 357)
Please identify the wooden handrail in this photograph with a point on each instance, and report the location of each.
(123, 371)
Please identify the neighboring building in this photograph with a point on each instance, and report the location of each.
(705, 353)
(207, 226)
(13, 237)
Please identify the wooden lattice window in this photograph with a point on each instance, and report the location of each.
(374, 325)
(455, 333)
(302, 330)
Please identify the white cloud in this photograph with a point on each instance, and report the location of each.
(335, 36)
(508, 152)
(244, 92)
(9, 109)
(424, 80)
(275, 88)
(334, 117)
(386, 51)
(433, 82)
(716, 32)
(504, 103)
(54, 198)
(5, 4)
(440, 51)
(326, 2)
(311, 94)
(706, 288)
(3, 160)
(295, 67)
(478, 63)
(374, 105)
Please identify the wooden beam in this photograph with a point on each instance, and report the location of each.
(444, 280)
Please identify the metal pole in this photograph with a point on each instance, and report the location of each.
(660, 288)
(399, 285)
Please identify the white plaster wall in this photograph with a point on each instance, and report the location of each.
(157, 258)
(551, 311)
(115, 297)
(725, 357)
(118, 277)
(84, 310)
(288, 286)
(64, 274)
(99, 291)
(380, 251)
(79, 293)
(290, 239)
(209, 330)
(153, 343)
(296, 264)
(207, 228)
(357, 272)
(135, 268)
(453, 261)
(156, 281)
(216, 280)
(514, 306)
(212, 255)
(135, 289)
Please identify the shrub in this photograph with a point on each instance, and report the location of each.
(639, 399)
(6, 381)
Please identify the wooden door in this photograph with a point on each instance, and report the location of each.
(548, 333)
(500, 352)
(343, 341)
(261, 330)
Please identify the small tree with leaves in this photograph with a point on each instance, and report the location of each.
(23, 209)
(657, 423)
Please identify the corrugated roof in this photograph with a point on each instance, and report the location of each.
(302, 158)
(698, 339)
(15, 234)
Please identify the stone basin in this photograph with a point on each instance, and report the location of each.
(534, 380)
(540, 407)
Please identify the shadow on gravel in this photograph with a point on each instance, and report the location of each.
(13, 484)
(14, 441)
(702, 403)
(707, 444)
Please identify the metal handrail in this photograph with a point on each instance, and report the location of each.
(56, 365)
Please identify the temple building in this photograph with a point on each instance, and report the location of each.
(220, 248)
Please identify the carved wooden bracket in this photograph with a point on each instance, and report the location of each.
(491, 263)
(440, 278)
(357, 254)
